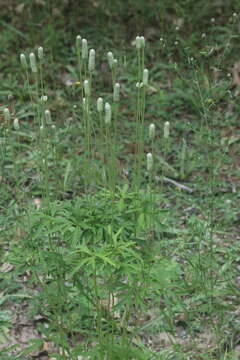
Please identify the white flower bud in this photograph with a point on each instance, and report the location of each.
(166, 130)
(44, 98)
(108, 113)
(142, 39)
(110, 59)
(100, 104)
(48, 116)
(33, 63)
(91, 60)
(115, 63)
(116, 92)
(40, 53)
(86, 87)
(149, 162)
(84, 103)
(84, 49)
(23, 61)
(139, 85)
(6, 114)
(152, 131)
(16, 124)
(78, 42)
(138, 42)
(145, 77)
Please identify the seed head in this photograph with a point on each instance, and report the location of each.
(91, 60)
(33, 63)
(16, 124)
(110, 59)
(40, 53)
(84, 49)
(145, 77)
(108, 113)
(149, 162)
(100, 104)
(86, 87)
(166, 130)
(152, 131)
(116, 92)
(23, 61)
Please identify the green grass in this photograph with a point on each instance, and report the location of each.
(102, 258)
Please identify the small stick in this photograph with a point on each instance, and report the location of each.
(177, 184)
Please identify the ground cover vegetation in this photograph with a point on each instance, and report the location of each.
(119, 158)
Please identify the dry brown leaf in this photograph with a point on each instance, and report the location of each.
(236, 74)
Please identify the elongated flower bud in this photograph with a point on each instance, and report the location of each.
(84, 103)
(40, 53)
(16, 124)
(100, 104)
(152, 131)
(86, 87)
(7, 115)
(115, 63)
(145, 77)
(166, 130)
(78, 42)
(91, 60)
(108, 113)
(23, 61)
(33, 63)
(142, 40)
(116, 92)
(138, 42)
(149, 162)
(84, 49)
(110, 59)
(48, 116)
